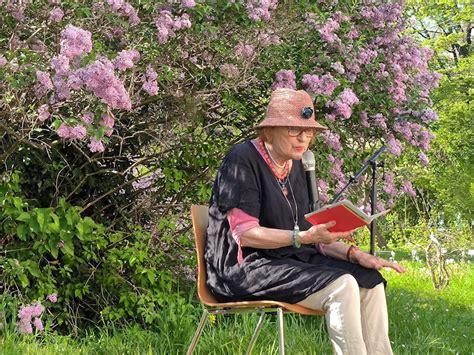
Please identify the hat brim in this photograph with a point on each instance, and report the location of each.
(269, 122)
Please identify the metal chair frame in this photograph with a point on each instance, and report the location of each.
(200, 219)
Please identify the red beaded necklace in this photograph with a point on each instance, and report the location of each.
(284, 173)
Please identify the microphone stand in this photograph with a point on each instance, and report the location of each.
(373, 192)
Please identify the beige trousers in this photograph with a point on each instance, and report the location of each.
(356, 318)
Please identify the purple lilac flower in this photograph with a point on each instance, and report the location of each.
(323, 190)
(3, 61)
(44, 79)
(99, 77)
(245, 51)
(428, 115)
(151, 87)
(364, 119)
(53, 298)
(56, 14)
(332, 140)
(330, 117)
(335, 170)
(260, 10)
(144, 182)
(74, 80)
(348, 97)
(126, 59)
(87, 117)
(78, 132)
(122, 8)
(188, 3)
(380, 206)
(108, 121)
(24, 327)
(340, 108)
(268, 39)
(394, 145)
(366, 56)
(284, 79)
(404, 129)
(388, 186)
(407, 187)
(390, 203)
(96, 145)
(338, 67)
(151, 74)
(75, 41)
(338, 16)
(25, 313)
(60, 64)
(320, 86)
(353, 33)
(167, 25)
(381, 16)
(327, 31)
(38, 324)
(64, 131)
(61, 88)
(423, 159)
(380, 120)
(16, 10)
(37, 310)
(43, 113)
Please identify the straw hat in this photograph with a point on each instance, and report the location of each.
(288, 107)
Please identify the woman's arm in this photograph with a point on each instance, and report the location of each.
(270, 238)
(336, 250)
(373, 262)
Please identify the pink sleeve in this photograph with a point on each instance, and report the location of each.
(240, 222)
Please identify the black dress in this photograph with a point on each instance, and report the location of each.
(245, 181)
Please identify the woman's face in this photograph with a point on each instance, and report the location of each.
(289, 142)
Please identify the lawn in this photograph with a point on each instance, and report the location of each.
(422, 321)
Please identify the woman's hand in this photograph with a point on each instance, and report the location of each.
(320, 234)
(373, 262)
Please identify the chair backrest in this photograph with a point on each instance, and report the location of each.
(200, 218)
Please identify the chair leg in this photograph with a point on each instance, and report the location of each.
(197, 334)
(281, 333)
(256, 332)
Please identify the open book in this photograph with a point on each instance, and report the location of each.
(346, 215)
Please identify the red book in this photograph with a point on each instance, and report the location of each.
(346, 215)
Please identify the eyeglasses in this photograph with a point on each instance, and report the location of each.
(296, 131)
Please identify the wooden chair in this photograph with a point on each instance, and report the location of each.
(200, 221)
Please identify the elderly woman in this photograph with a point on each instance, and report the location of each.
(259, 245)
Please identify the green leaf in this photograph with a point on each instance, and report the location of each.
(32, 267)
(151, 276)
(42, 216)
(23, 280)
(24, 217)
(68, 247)
(22, 231)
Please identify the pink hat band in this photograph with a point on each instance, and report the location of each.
(291, 108)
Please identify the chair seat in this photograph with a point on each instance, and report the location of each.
(287, 307)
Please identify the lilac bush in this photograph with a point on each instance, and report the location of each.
(125, 109)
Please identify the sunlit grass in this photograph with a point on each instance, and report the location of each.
(422, 321)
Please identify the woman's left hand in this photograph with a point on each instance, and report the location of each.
(373, 262)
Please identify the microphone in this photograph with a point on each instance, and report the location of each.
(309, 165)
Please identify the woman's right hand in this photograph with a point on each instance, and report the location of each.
(320, 234)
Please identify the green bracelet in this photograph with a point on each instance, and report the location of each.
(295, 238)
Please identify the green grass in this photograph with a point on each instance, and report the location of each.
(422, 321)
